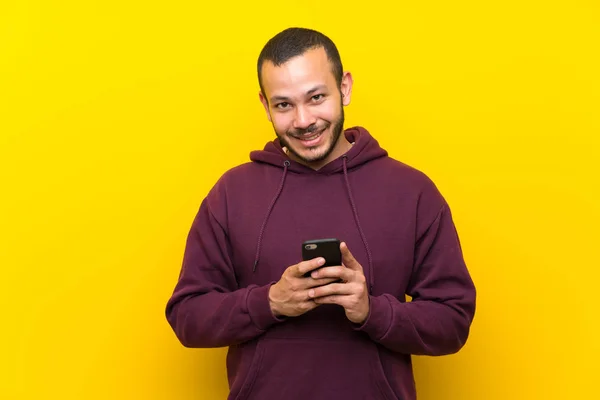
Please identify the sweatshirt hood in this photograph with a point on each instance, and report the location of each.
(365, 149)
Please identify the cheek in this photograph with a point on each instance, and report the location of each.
(281, 122)
(328, 112)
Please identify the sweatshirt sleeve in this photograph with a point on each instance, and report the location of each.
(207, 308)
(438, 319)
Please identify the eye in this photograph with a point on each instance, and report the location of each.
(317, 97)
(282, 105)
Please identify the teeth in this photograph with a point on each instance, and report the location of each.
(311, 137)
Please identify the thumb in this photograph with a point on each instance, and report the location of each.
(348, 259)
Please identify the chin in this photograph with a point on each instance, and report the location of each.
(316, 154)
(313, 154)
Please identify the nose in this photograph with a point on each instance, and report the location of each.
(303, 118)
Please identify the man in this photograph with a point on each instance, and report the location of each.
(338, 332)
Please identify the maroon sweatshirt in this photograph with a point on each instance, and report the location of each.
(250, 228)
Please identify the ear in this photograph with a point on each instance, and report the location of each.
(346, 88)
(265, 104)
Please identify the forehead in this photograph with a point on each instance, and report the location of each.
(298, 73)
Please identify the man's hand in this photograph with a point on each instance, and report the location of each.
(351, 293)
(289, 297)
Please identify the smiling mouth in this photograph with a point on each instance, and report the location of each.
(307, 137)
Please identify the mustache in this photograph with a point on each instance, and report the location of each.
(310, 129)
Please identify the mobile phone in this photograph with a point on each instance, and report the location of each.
(329, 249)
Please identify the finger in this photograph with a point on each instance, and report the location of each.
(307, 266)
(341, 300)
(309, 305)
(331, 289)
(339, 272)
(348, 259)
(310, 283)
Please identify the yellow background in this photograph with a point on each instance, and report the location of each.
(116, 117)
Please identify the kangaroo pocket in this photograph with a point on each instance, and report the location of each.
(315, 369)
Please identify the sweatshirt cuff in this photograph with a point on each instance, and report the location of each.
(260, 309)
(379, 318)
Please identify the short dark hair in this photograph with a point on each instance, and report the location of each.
(293, 42)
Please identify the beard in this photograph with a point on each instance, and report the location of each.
(336, 131)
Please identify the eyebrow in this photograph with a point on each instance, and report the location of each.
(311, 91)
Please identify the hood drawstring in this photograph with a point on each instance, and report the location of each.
(362, 235)
(286, 164)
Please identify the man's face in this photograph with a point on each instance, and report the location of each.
(305, 105)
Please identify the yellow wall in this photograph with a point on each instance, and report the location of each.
(116, 117)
